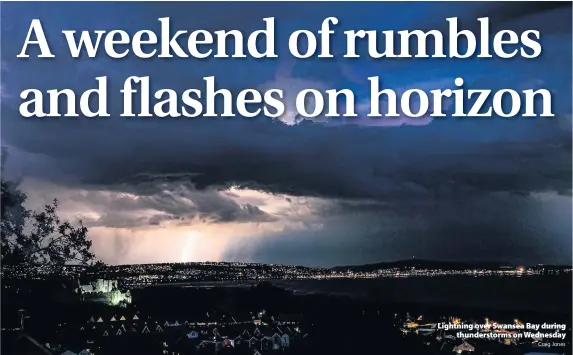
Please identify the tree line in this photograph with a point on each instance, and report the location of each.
(33, 239)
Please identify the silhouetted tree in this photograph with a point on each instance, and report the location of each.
(31, 238)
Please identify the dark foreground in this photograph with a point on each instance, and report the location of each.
(319, 317)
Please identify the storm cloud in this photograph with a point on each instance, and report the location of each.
(315, 192)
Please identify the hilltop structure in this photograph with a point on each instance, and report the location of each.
(104, 291)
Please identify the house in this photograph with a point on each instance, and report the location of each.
(193, 335)
(465, 346)
(275, 341)
(207, 345)
(265, 343)
(253, 342)
(285, 340)
(76, 350)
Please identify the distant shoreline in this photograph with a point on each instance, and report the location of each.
(248, 283)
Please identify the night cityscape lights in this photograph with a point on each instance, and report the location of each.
(145, 274)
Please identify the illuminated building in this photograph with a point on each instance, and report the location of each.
(105, 291)
(465, 346)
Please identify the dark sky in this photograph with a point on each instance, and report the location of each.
(313, 193)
